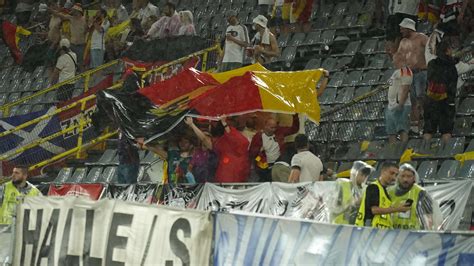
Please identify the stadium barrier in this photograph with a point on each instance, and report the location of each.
(44, 137)
(86, 232)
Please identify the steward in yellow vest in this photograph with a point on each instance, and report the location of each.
(12, 193)
(420, 215)
(376, 207)
(350, 193)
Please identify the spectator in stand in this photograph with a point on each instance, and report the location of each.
(204, 163)
(265, 45)
(466, 18)
(12, 193)
(145, 11)
(99, 28)
(136, 30)
(268, 145)
(397, 113)
(264, 7)
(276, 21)
(439, 108)
(412, 50)
(376, 207)
(65, 69)
(166, 26)
(78, 31)
(23, 11)
(230, 146)
(54, 36)
(305, 166)
(250, 128)
(129, 160)
(282, 167)
(397, 12)
(120, 13)
(187, 25)
(236, 39)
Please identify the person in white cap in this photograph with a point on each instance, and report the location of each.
(265, 45)
(65, 69)
(412, 51)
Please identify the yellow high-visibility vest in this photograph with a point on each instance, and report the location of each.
(11, 197)
(383, 221)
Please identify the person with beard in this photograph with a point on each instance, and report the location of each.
(420, 215)
(350, 193)
(376, 206)
(166, 26)
(231, 148)
(12, 192)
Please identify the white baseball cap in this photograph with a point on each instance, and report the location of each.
(260, 20)
(65, 43)
(408, 24)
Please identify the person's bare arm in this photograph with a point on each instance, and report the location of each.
(324, 83)
(378, 210)
(206, 141)
(423, 39)
(54, 76)
(294, 175)
(403, 49)
(157, 150)
(237, 41)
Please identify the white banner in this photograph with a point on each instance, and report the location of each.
(260, 240)
(6, 247)
(77, 231)
(315, 201)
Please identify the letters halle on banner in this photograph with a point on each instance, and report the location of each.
(77, 231)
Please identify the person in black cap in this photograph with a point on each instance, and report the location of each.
(236, 39)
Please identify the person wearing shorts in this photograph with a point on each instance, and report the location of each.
(397, 113)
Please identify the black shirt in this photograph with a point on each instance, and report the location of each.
(372, 199)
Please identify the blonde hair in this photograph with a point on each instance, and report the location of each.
(188, 15)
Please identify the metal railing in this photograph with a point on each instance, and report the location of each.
(43, 135)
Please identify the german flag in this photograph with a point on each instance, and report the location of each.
(205, 95)
(11, 37)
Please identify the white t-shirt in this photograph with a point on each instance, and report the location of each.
(66, 66)
(271, 148)
(146, 12)
(265, 2)
(98, 38)
(309, 164)
(234, 53)
(409, 7)
(400, 77)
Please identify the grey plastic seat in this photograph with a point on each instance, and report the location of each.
(288, 55)
(428, 169)
(349, 21)
(335, 22)
(150, 158)
(463, 126)
(353, 78)
(448, 169)
(470, 147)
(364, 130)
(283, 40)
(343, 62)
(14, 96)
(37, 108)
(386, 75)
(326, 10)
(106, 159)
(327, 37)
(94, 175)
(336, 79)
(467, 170)
(345, 131)
(313, 38)
(340, 9)
(321, 23)
(329, 63)
(298, 39)
(365, 19)
(393, 151)
(109, 175)
(377, 61)
(328, 96)
(369, 46)
(24, 109)
(314, 63)
(344, 95)
(452, 147)
(78, 175)
(353, 153)
(352, 48)
(466, 107)
(371, 77)
(63, 175)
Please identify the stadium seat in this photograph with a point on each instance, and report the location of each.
(94, 175)
(283, 40)
(452, 147)
(313, 38)
(335, 22)
(328, 96)
(336, 79)
(466, 107)
(369, 46)
(37, 107)
(428, 169)
(287, 56)
(352, 48)
(63, 175)
(106, 158)
(377, 61)
(344, 95)
(330, 64)
(429, 147)
(78, 175)
(371, 77)
(448, 169)
(466, 170)
(340, 9)
(374, 150)
(109, 175)
(350, 21)
(326, 10)
(298, 39)
(386, 75)
(321, 23)
(327, 37)
(150, 158)
(364, 130)
(393, 151)
(343, 62)
(345, 131)
(353, 152)
(470, 147)
(361, 91)
(23, 110)
(314, 63)
(352, 78)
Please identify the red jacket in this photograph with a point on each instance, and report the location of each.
(280, 134)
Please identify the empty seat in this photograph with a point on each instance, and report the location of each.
(106, 158)
(63, 175)
(287, 56)
(23, 110)
(283, 40)
(343, 62)
(369, 46)
(393, 151)
(340, 9)
(314, 63)
(321, 23)
(452, 147)
(13, 97)
(466, 107)
(297, 39)
(463, 126)
(78, 175)
(336, 79)
(353, 78)
(364, 130)
(352, 48)
(326, 10)
(312, 38)
(448, 169)
(467, 170)
(335, 22)
(150, 158)
(386, 75)
(93, 176)
(344, 95)
(329, 63)
(470, 147)
(428, 169)
(328, 96)
(353, 153)
(327, 37)
(371, 77)
(377, 61)
(349, 21)
(109, 175)
(37, 108)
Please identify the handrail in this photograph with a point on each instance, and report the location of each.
(7, 107)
